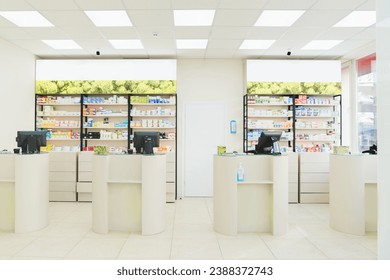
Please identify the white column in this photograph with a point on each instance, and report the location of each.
(383, 126)
(31, 192)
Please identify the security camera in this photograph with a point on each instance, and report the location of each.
(97, 53)
(288, 53)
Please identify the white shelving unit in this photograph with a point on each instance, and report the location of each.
(268, 113)
(60, 115)
(317, 123)
(108, 120)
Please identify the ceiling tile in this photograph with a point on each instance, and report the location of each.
(337, 4)
(68, 18)
(218, 53)
(119, 32)
(14, 5)
(190, 32)
(99, 5)
(146, 5)
(266, 33)
(159, 44)
(194, 5)
(6, 23)
(233, 23)
(191, 53)
(339, 33)
(12, 33)
(303, 33)
(224, 44)
(230, 32)
(242, 4)
(369, 5)
(46, 33)
(144, 17)
(156, 33)
(236, 17)
(366, 34)
(320, 18)
(80, 32)
(53, 4)
(289, 5)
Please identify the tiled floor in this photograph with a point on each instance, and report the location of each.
(189, 235)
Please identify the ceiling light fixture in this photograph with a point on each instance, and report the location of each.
(126, 44)
(62, 44)
(358, 19)
(109, 18)
(191, 44)
(256, 44)
(26, 18)
(321, 44)
(193, 17)
(278, 18)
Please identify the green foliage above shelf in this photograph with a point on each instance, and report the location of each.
(105, 86)
(293, 88)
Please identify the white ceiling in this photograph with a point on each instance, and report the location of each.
(233, 22)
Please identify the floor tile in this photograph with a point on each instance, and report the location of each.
(343, 249)
(146, 249)
(244, 248)
(48, 247)
(195, 249)
(189, 234)
(293, 249)
(97, 248)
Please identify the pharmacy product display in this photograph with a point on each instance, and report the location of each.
(60, 117)
(105, 122)
(76, 122)
(309, 123)
(262, 113)
(317, 123)
(155, 113)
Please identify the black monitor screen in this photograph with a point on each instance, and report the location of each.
(266, 141)
(31, 141)
(144, 141)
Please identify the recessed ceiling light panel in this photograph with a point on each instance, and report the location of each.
(191, 44)
(193, 17)
(256, 44)
(62, 44)
(126, 44)
(278, 18)
(26, 18)
(358, 19)
(321, 44)
(109, 18)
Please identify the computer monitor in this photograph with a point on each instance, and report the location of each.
(31, 141)
(266, 142)
(144, 141)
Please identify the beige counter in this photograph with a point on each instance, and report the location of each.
(353, 193)
(259, 203)
(24, 192)
(129, 193)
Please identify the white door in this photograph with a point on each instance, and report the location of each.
(205, 128)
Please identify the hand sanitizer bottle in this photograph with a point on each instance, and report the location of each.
(240, 173)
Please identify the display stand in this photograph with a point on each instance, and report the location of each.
(128, 193)
(25, 187)
(259, 203)
(353, 194)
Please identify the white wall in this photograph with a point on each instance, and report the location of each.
(209, 81)
(383, 86)
(17, 89)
